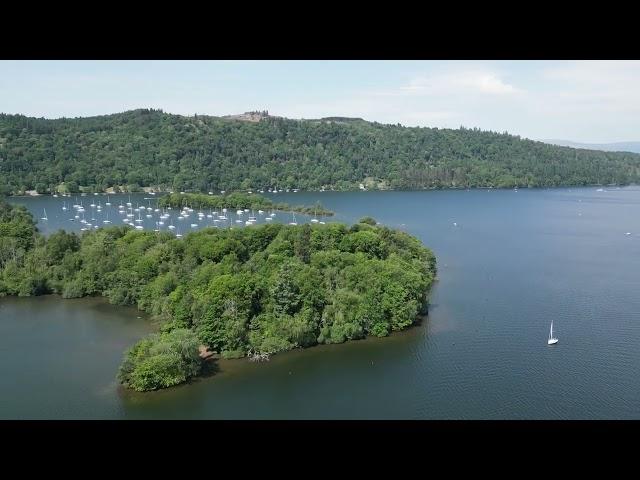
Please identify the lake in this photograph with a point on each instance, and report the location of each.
(509, 262)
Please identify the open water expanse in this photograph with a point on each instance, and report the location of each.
(509, 262)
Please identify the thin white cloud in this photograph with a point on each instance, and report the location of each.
(587, 101)
(460, 82)
(448, 96)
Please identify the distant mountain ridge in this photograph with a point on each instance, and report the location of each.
(633, 147)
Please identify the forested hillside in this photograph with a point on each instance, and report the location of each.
(150, 148)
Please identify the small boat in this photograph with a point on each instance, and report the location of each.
(45, 215)
(552, 340)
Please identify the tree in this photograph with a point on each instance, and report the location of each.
(161, 361)
(302, 245)
(368, 221)
(72, 187)
(285, 292)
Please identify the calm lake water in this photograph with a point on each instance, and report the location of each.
(513, 262)
(143, 212)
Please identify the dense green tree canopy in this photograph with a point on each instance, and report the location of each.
(161, 360)
(144, 148)
(254, 290)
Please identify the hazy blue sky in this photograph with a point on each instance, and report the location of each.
(586, 101)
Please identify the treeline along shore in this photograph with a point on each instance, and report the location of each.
(237, 200)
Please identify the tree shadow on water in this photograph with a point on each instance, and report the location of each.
(210, 367)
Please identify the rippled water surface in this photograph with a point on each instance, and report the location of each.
(509, 263)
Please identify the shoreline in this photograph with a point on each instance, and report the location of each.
(213, 362)
(215, 365)
(424, 189)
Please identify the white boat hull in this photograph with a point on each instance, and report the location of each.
(552, 341)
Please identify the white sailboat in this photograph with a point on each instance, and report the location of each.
(45, 215)
(551, 340)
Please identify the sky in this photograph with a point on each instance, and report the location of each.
(582, 101)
